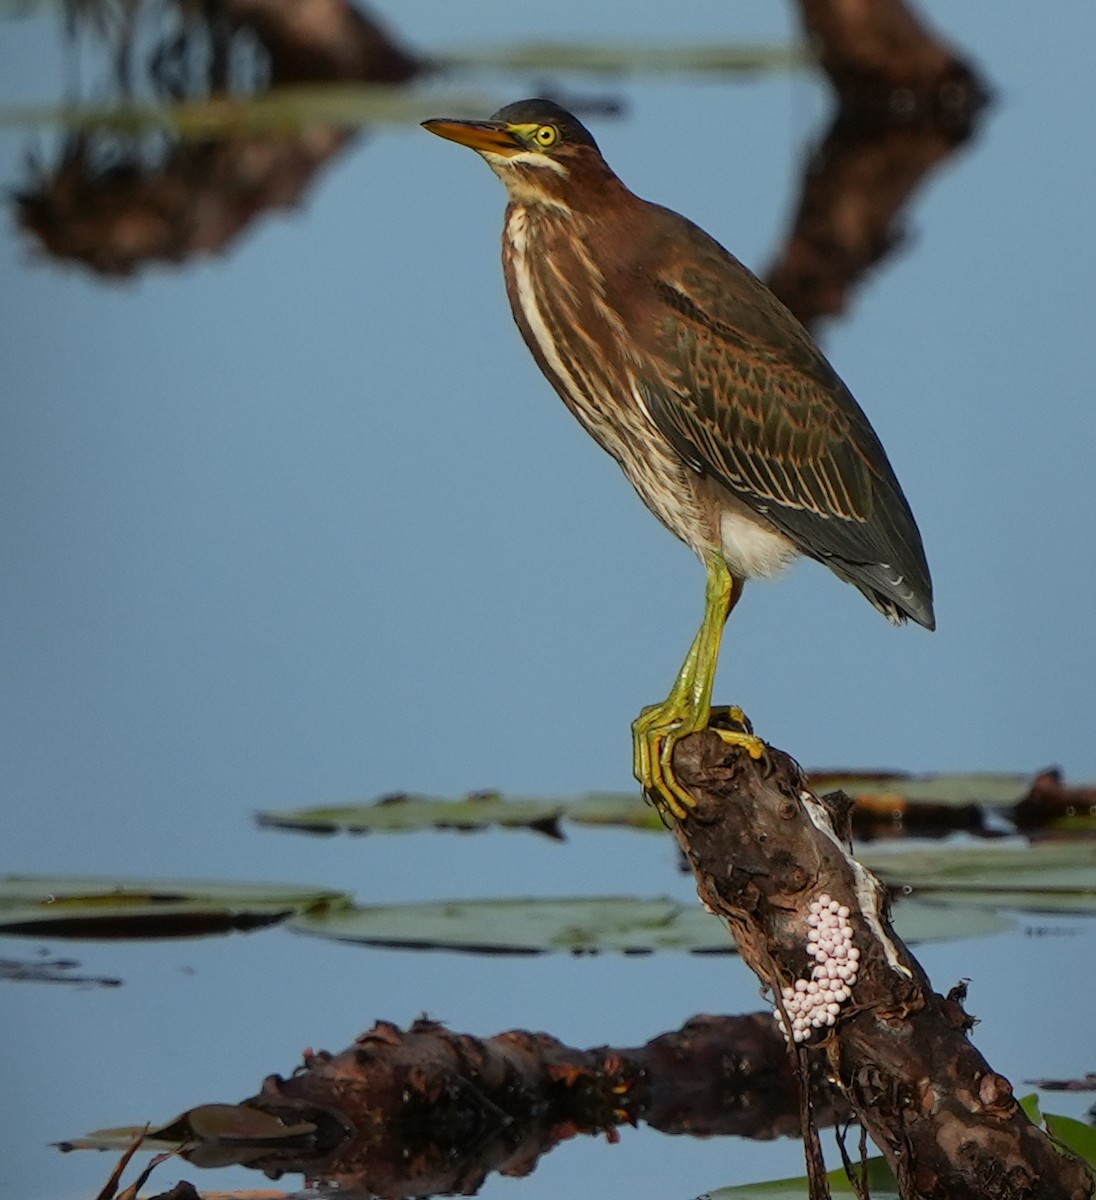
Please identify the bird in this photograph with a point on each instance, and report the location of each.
(716, 402)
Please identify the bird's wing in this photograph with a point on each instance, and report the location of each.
(741, 391)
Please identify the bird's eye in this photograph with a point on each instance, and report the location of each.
(546, 135)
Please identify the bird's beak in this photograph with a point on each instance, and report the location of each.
(494, 137)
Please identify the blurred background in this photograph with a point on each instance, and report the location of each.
(289, 516)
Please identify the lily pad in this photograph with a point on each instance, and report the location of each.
(1046, 877)
(876, 792)
(403, 813)
(95, 907)
(998, 790)
(584, 925)
(526, 926)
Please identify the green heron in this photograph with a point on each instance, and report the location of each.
(717, 404)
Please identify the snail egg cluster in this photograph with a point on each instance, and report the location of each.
(814, 1003)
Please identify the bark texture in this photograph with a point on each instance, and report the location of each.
(763, 847)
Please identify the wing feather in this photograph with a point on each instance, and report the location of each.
(744, 395)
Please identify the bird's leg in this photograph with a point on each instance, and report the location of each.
(687, 709)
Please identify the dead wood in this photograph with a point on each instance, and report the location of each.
(763, 847)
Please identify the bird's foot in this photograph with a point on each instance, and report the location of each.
(736, 729)
(655, 733)
(725, 716)
(658, 729)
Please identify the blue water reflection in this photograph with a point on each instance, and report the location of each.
(304, 524)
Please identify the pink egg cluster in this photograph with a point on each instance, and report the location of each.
(814, 1003)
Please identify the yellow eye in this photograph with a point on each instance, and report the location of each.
(546, 135)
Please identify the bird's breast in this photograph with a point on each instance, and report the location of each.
(558, 296)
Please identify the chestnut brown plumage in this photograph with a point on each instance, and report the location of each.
(715, 401)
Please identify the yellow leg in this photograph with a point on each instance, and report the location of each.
(687, 709)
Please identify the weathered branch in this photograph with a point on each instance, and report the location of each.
(763, 848)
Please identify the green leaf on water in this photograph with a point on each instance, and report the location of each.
(402, 813)
(526, 926)
(583, 925)
(1045, 877)
(995, 789)
(96, 907)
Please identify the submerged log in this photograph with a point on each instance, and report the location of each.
(770, 858)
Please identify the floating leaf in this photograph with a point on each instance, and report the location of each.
(628, 924)
(526, 926)
(402, 813)
(94, 907)
(1046, 877)
(882, 794)
(995, 789)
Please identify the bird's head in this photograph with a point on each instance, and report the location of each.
(540, 151)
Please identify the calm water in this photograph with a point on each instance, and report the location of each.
(302, 523)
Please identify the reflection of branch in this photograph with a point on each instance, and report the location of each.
(872, 48)
(125, 212)
(428, 1111)
(116, 203)
(321, 40)
(906, 101)
(768, 857)
(855, 187)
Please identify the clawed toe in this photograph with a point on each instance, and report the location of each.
(656, 733)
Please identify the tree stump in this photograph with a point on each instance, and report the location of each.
(764, 849)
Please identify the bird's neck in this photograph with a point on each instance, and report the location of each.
(575, 191)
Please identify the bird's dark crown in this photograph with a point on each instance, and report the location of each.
(569, 130)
